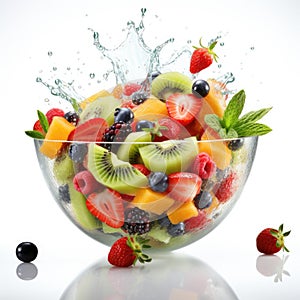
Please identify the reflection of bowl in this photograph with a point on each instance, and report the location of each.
(114, 190)
(174, 277)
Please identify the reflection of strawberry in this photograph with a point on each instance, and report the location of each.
(89, 131)
(126, 251)
(107, 206)
(202, 57)
(270, 241)
(183, 186)
(226, 189)
(183, 107)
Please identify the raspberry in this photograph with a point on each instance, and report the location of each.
(204, 166)
(226, 188)
(85, 183)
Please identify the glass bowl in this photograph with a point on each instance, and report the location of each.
(171, 193)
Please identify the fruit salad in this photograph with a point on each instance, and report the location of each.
(163, 158)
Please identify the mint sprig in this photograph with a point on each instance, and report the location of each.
(45, 125)
(232, 125)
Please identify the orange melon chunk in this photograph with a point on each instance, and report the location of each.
(102, 93)
(58, 132)
(186, 211)
(150, 109)
(217, 149)
(151, 201)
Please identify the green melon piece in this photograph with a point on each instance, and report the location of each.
(159, 234)
(114, 173)
(129, 150)
(82, 214)
(103, 107)
(63, 169)
(169, 156)
(169, 83)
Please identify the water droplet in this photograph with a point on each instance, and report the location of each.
(92, 75)
(46, 100)
(50, 53)
(38, 79)
(54, 68)
(68, 68)
(219, 66)
(252, 48)
(143, 10)
(222, 44)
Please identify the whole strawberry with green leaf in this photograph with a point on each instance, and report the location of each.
(202, 57)
(127, 250)
(270, 241)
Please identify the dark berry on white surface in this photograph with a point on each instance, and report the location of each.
(26, 251)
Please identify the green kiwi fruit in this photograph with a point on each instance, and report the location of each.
(63, 168)
(103, 107)
(80, 211)
(114, 173)
(129, 149)
(169, 83)
(169, 156)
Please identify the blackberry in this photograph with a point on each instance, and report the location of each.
(64, 194)
(117, 132)
(136, 221)
(139, 97)
(72, 117)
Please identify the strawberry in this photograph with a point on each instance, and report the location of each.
(128, 104)
(226, 189)
(142, 169)
(168, 129)
(183, 186)
(130, 88)
(89, 131)
(126, 251)
(38, 127)
(107, 206)
(202, 57)
(183, 107)
(270, 241)
(197, 222)
(203, 165)
(54, 112)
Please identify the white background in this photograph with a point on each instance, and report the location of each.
(269, 74)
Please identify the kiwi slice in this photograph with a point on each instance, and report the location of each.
(81, 213)
(169, 156)
(129, 149)
(114, 173)
(169, 83)
(63, 168)
(103, 107)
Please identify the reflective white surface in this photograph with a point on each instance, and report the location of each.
(227, 257)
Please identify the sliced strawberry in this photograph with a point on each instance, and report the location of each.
(169, 130)
(183, 186)
(54, 112)
(89, 131)
(107, 206)
(130, 88)
(183, 107)
(142, 169)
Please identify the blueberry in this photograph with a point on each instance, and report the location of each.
(72, 117)
(236, 144)
(77, 152)
(140, 125)
(158, 181)
(123, 114)
(200, 88)
(27, 252)
(203, 200)
(176, 230)
(164, 222)
(139, 97)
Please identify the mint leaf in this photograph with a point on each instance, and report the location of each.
(231, 134)
(34, 134)
(250, 129)
(252, 116)
(234, 109)
(43, 120)
(214, 122)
